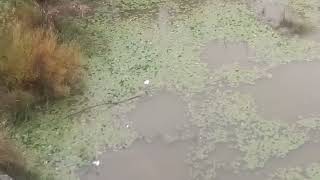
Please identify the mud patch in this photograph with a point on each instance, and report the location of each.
(159, 115)
(293, 91)
(142, 161)
(218, 53)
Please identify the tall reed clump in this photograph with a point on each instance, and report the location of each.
(34, 65)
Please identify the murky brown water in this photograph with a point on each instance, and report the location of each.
(156, 161)
(154, 117)
(159, 115)
(292, 91)
(218, 53)
(313, 35)
(224, 154)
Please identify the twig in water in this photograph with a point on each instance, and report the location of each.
(103, 104)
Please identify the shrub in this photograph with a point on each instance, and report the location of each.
(33, 63)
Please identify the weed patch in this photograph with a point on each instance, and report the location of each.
(34, 62)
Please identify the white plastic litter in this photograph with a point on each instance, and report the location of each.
(146, 82)
(96, 163)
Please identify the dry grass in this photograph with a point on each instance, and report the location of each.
(34, 66)
(9, 156)
(31, 59)
(11, 161)
(33, 63)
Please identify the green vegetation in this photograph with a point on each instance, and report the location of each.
(137, 4)
(34, 66)
(307, 9)
(235, 75)
(126, 51)
(231, 117)
(311, 122)
(309, 173)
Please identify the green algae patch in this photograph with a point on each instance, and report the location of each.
(311, 172)
(138, 50)
(310, 123)
(61, 144)
(307, 9)
(143, 7)
(233, 21)
(234, 75)
(231, 117)
(130, 5)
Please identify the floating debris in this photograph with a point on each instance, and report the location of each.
(146, 82)
(96, 163)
